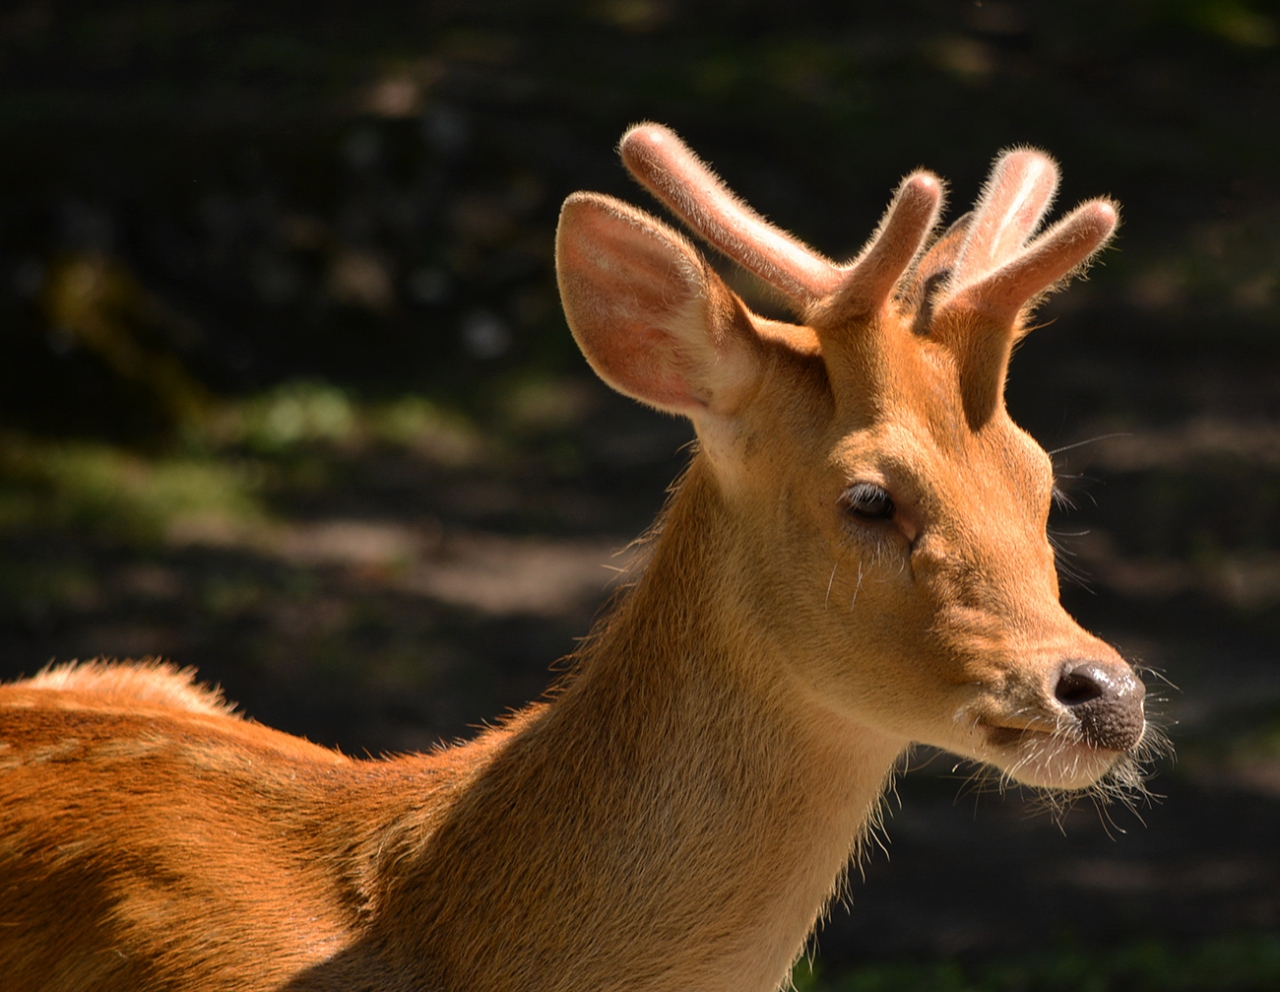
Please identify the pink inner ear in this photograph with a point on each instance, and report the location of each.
(643, 361)
(635, 295)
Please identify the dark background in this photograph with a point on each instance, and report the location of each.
(286, 393)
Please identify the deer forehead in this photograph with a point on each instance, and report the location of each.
(901, 425)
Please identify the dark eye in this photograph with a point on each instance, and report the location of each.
(867, 501)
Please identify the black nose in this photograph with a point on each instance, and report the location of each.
(1106, 699)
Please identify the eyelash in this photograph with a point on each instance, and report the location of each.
(868, 502)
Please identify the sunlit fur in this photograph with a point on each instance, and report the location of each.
(681, 809)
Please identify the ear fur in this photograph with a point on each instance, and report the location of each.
(651, 317)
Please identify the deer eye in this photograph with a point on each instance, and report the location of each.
(867, 501)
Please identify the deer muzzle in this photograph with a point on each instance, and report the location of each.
(1105, 698)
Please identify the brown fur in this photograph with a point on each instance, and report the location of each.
(678, 815)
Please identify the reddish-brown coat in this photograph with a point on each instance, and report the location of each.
(678, 814)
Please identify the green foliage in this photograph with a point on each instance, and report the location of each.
(218, 476)
(1235, 22)
(101, 489)
(304, 414)
(295, 413)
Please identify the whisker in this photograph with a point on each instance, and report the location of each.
(1092, 440)
(856, 589)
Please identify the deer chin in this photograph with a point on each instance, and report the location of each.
(1047, 759)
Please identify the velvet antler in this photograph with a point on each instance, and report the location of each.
(970, 290)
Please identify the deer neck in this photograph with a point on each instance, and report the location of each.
(676, 818)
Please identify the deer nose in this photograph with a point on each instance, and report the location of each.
(1106, 700)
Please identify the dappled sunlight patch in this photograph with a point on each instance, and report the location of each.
(440, 435)
(498, 575)
(1247, 580)
(231, 481)
(492, 574)
(355, 543)
(1188, 444)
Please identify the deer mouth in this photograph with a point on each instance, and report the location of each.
(1004, 737)
(1050, 756)
(1089, 715)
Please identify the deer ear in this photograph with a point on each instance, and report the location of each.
(652, 318)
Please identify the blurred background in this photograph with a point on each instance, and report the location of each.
(286, 393)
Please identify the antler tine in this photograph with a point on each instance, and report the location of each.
(872, 276)
(666, 166)
(1016, 196)
(1063, 248)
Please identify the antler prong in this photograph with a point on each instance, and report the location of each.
(995, 271)
(666, 166)
(1055, 254)
(873, 275)
(1015, 198)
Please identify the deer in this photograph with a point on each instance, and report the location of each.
(854, 562)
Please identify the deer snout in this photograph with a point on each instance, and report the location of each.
(1105, 698)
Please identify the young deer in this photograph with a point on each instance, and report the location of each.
(855, 560)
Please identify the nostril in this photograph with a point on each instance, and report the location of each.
(1077, 688)
(1106, 701)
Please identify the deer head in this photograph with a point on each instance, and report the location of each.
(887, 518)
